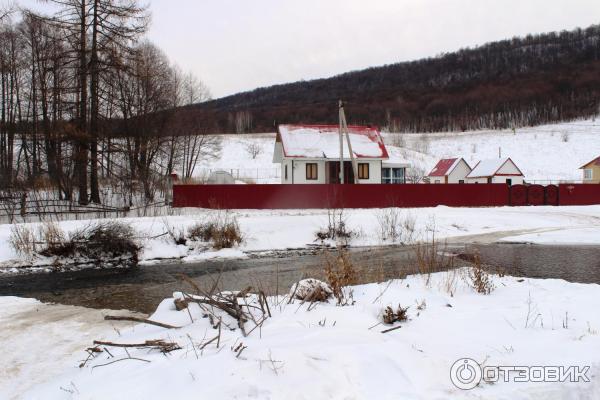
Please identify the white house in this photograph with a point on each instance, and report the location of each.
(311, 154)
(497, 170)
(449, 170)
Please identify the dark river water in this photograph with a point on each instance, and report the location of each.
(142, 288)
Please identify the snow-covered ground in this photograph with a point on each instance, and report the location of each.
(265, 230)
(40, 341)
(338, 352)
(547, 153)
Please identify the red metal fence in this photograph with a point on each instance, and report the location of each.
(278, 196)
(579, 195)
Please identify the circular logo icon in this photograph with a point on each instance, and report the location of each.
(465, 374)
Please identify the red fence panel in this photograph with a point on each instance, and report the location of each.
(535, 195)
(551, 195)
(280, 196)
(518, 195)
(579, 194)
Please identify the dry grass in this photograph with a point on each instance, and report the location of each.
(429, 258)
(390, 316)
(340, 273)
(479, 279)
(395, 228)
(22, 239)
(222, 230)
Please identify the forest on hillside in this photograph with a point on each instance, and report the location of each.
(518, 82)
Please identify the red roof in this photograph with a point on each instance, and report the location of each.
(322, 141)
(442, 168)
(595, 161)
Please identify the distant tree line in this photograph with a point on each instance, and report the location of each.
(85, 99)
(518, 82)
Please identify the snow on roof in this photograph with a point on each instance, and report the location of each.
(487, 168)
(323, 141)
(595, 161)
(444, 167)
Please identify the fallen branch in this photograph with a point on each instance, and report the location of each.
(121, 359)
(161, 345)
(141, 321)
(392, 329)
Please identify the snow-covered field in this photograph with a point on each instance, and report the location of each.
(334, 352)
(265, 230)
(544, 153)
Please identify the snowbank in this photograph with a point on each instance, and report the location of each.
(341, 352)
(265, 230)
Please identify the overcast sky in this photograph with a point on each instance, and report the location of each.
(238, 45)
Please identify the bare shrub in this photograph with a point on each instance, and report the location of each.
(222, 230)
(340, 273)
(176, 234)
(394, 228)
(337, 228)
(479, 278)
(253, 149)
(389, 226)
(390, 316)
(94, 242)
(565, 136)
(52, 237)
(105, 239)
(415, 174)
(22, 240)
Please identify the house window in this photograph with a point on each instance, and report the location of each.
(393, 175)
(286, 175)
(398, 175)
(587, 174)
(509, 182)
(311, 172)
(461, 181)
(363, 171)
(386, 175)
(437, 181)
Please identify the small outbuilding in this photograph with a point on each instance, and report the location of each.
(497, 170)
(591, 171)
(449, 170)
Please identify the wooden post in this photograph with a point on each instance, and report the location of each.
(341, 175)
(344, 126)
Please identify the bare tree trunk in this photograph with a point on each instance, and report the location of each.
(81, 157)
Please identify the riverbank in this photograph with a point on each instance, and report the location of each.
(342, 351)
(280, 230)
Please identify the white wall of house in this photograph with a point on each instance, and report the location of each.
(374, 171)
(296, 171)
(459, 173)
(515, 180)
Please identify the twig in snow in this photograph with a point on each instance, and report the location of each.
(140, 320)
(121, 359)
(392, 329)
(161, 345)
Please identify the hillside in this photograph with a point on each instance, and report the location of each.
(518, 82)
